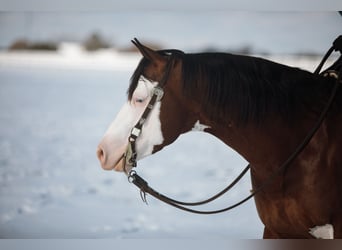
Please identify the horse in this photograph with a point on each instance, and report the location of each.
(261, 109)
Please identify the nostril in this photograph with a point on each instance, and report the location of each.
(101, 154)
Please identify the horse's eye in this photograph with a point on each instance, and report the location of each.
(139, 100)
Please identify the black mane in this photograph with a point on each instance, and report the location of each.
(246, 88)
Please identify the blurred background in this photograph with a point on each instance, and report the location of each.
(246, 31)
(63, 77)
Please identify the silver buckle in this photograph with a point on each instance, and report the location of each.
(136, 132)
(159, 92)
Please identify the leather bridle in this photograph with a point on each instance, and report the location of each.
(130, 156)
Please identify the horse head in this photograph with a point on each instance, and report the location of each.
(171, 116)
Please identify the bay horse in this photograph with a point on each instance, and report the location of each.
(262, 110)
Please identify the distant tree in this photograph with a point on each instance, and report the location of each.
(43, 46)
(95, 42)
(20, 44)
(23, 44)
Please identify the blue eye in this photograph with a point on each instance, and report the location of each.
(139, 100)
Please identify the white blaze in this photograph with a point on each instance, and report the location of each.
(151, 134)
(115, 140)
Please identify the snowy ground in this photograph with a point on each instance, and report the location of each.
(54, 109)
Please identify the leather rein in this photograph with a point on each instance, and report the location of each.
(130, 156)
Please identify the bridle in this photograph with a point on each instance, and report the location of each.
(130, 156)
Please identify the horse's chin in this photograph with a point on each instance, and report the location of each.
(119, 167)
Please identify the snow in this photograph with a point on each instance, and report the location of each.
(70, 57)
(54, 109)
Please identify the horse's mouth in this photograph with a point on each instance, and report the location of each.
(119, 165)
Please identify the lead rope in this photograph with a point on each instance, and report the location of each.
(134, 178)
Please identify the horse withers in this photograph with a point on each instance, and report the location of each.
(261, 109)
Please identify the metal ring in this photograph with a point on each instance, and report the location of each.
(131, 176)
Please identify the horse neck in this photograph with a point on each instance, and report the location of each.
(265, 145)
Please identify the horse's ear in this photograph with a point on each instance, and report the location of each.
(147, 52)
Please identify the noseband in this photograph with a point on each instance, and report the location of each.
(130, 156)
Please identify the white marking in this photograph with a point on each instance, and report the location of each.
(114, 142)
(151, 134)
(323, 232)
(199, 127)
